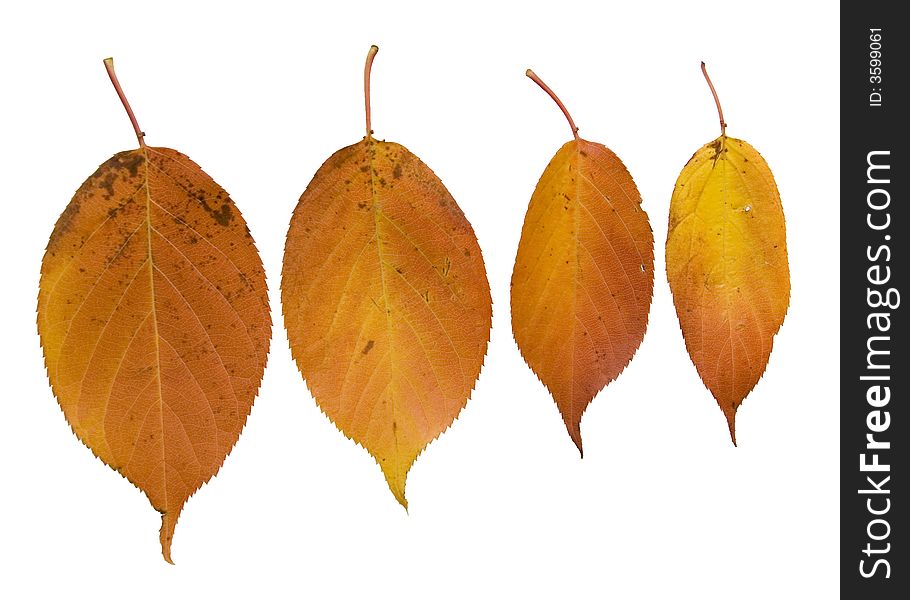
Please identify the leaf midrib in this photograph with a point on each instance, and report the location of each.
(151, 265)
(374, 195)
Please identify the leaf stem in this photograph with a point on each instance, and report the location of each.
(720, 111)
(366, 85)
(140, 135)
(555, 98)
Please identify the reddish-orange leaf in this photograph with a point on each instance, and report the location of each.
(727, 265)
(385, 299)
(154, 319)
(584, 274)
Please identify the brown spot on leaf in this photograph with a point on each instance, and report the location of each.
(222, 215)
(107, 182)
(129, 160)
(65, 222)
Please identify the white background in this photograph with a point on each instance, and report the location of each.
(259, 94)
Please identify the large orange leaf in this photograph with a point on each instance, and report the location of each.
(385, 299)
(727, 265)
(584, 274)
(154, 319)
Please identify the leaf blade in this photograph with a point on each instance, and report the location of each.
(153, 310)
(389, 319)
(727, 267)
(585, 258)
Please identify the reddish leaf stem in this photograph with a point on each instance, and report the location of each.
(140, 135)
(720, 111)
(366, 85)
(555, 98)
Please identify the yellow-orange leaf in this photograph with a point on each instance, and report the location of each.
(584, 276)
(386, 301)
(727, 265)
(153, 315)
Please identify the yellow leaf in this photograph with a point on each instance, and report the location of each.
(385, 300)
(727, 266)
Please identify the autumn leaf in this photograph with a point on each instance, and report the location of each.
(385, 299)
(584, 274)
(727, 265)
(153, 316)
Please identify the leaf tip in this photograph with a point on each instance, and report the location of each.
(575, 433)
(731, 423)
(396, 480)
(399, 495)
(166, 535)
(168, 524)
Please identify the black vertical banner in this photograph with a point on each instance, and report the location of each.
(874, 370)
